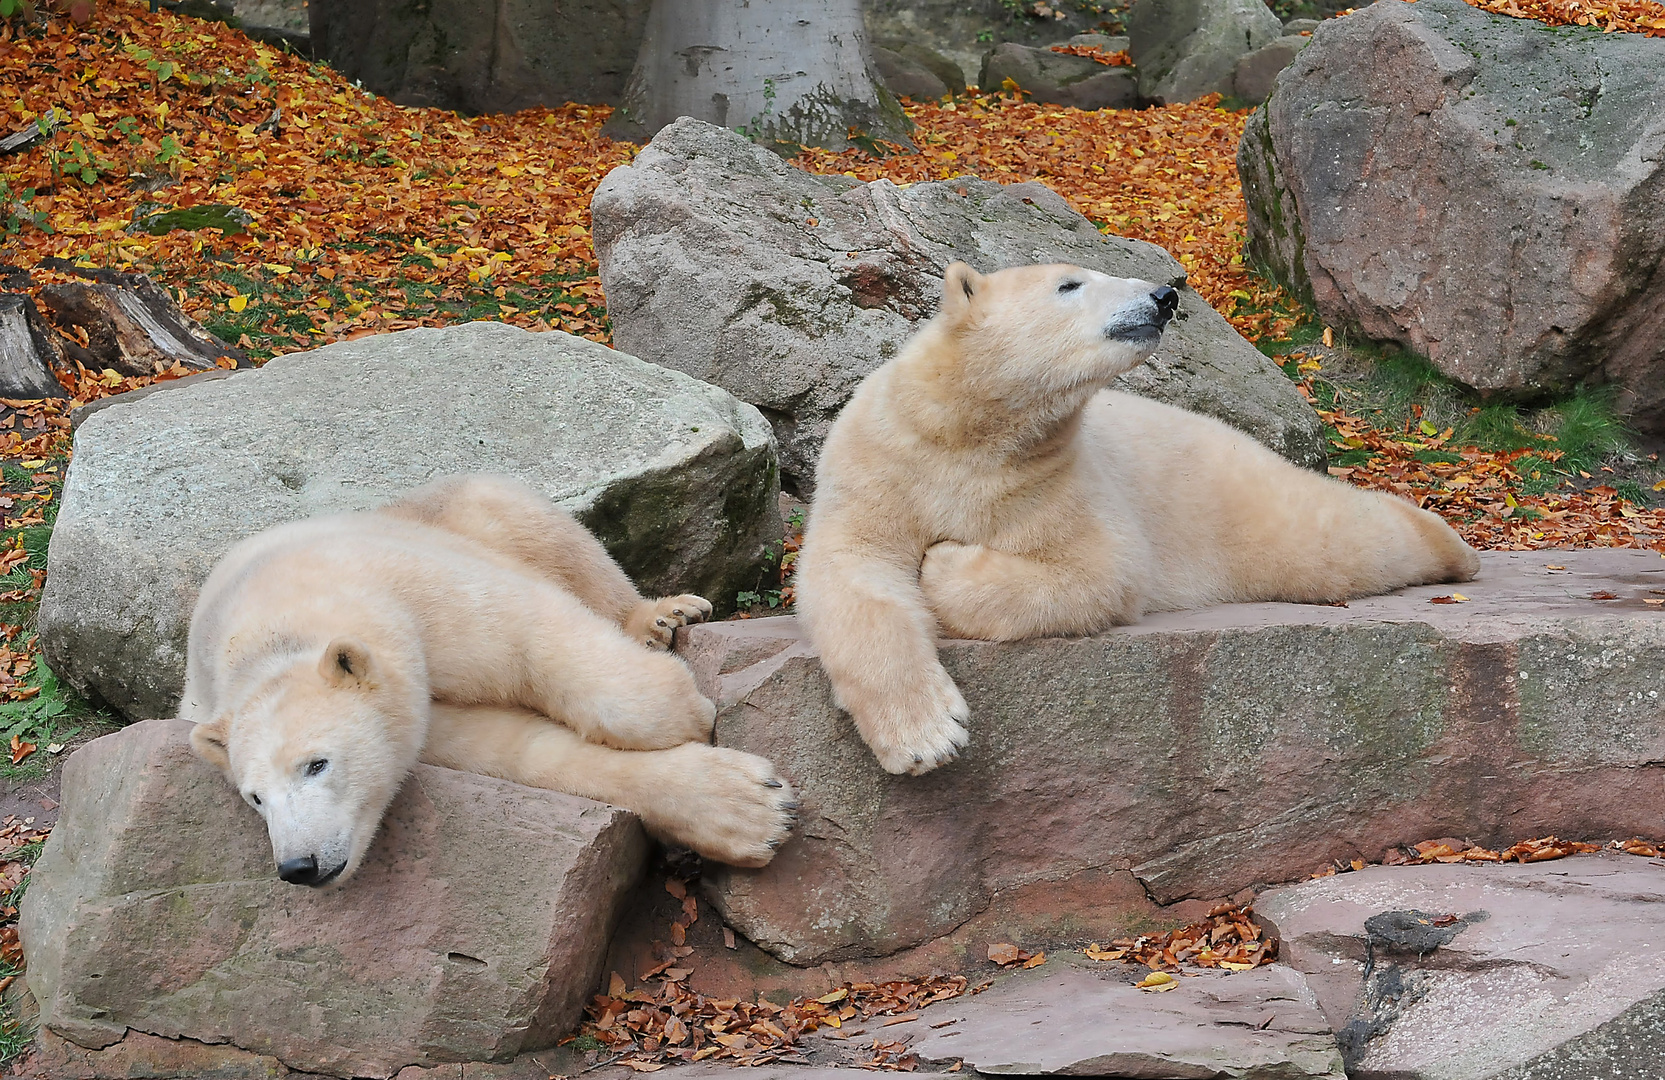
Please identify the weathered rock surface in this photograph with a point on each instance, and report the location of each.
(906, 77)
(1188, 48)
(947, 71)
(677, 478)
(787, 289)
(476, 928)
(1257, 71)
(1056, 1021)
(1560, 964)
(1206, 751)
(1079, 82)
(964, 30)
(1484, 190)
(478, 57)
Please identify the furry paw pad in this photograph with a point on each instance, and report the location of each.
(654, 622)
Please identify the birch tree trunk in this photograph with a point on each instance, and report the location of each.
(784, 72)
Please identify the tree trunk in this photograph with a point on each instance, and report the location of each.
(785, 72)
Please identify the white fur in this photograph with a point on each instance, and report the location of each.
(984, 484)
(460, 625)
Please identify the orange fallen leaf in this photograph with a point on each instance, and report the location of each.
(21, 750)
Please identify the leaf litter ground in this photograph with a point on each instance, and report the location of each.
(365, 217)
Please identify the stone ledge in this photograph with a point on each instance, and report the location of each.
(475, 930)
(1206, 750)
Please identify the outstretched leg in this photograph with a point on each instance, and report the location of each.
(724, 804)
(510, 520)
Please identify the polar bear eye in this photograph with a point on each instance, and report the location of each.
(1069, 286)
(313, 768)
(253, 798)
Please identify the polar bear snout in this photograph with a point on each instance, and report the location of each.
(304, 871)
(1142, 321)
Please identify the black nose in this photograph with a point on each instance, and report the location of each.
(1167, 302)
(301, 871)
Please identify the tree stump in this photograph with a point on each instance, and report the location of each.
(29, 350)
(133, 326)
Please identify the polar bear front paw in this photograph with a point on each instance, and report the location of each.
(654, 622)
(918, 731)
(735, 808)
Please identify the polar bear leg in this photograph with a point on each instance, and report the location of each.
(724, 804)
(877, 640)
(506, 516)
(978, 592)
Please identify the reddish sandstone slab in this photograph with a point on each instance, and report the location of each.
(1207, 751)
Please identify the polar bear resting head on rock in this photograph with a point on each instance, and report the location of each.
(474, 625)
(985, 484)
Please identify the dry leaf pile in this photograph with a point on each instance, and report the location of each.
(1450, 850)
(1634, 16)
(663, 1021)
(1227, 938)
(1093, 52)
(1480, 493)
(19, 839)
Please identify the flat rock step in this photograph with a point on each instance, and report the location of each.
(1547, 971)
(1206, 751)
(1253, 1025)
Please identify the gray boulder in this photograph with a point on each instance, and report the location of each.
(1205, 751)
(964, 30)
(479, 57)
(1107, 42)
(1482, 189)
(677, 478)
(1262, 1024)
(477, 927)
(905, 76)
(946, 71)
(1188, 48)
(1258, 71)
(1557, 963)
(788, 288)
(1299, 26)
(1079, 82)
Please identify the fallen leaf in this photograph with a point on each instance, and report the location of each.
(20, 749)
(1157, 980)
(237, 303)
(1035, 961)
(1005, 953)
(1604, 595)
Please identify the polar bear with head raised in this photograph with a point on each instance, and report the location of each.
(984, 483)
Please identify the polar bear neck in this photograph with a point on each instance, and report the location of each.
(933, 394)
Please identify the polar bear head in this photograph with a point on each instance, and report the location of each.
(319, 748)
(1039, 330)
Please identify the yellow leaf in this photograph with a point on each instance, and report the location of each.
(1154, 980)
(1329, 337)
(835, 996)
(1459, 597)
(1229, 966)
(1428, 429)
(238, 302)
(1659, 486)
(33, 463)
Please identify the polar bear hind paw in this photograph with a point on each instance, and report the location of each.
(744, 810)
(654, 622)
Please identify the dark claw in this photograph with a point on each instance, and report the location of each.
(774, 845)
(772, 782)
(791, 806)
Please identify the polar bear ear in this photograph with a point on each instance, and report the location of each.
(346, 662)
(960, 285)
(210, 742)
